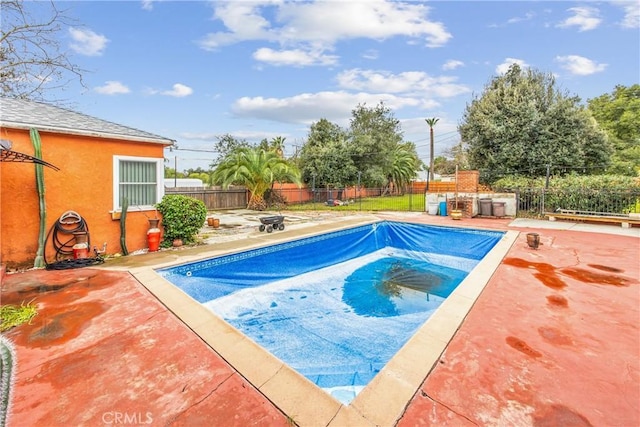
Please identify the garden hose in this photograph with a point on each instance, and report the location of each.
(63, 240)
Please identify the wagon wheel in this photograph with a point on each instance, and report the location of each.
(261, 227)
(269, 228)
(281, 227)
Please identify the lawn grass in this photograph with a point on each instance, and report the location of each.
(405, 202)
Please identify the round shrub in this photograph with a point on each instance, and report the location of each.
(182, 218)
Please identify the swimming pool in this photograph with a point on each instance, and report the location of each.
(336, 307)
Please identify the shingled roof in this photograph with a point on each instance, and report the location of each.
(25, 114)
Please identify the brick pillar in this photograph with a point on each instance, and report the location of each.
(468, 181)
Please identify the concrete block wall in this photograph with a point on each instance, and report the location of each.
(470, 202)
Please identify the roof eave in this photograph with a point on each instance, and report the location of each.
(79, 132)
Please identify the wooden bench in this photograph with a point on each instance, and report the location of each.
(623, 219)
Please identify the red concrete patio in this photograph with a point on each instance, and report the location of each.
(554, 340)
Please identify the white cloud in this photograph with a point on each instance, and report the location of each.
(310, 28)
(585, 18)
(527, 17)
(294, 57)
(580, 65)
(371, 54)
(86, 42)
(243, 21)
(402, 90)
(307, 108)
(508, 62)
(409, 82)
(631, 13)
(178, 90)
(452, 64)
(374, 19)
(112, 88)
(147, 4)
(516, 19)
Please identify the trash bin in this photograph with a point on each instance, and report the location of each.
(498, 209)
(433, 208)
(485, 207)
(443, 208)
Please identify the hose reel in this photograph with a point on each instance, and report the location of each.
(71, 241)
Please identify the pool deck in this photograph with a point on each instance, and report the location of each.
(553, 339)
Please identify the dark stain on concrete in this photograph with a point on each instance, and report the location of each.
(57, 325)
(605, 268)
(61, 315)
(522, 347)
(587, 276)
(70, 289)
(557, 301)
(554, 336)
(546, 273)
(551, 280)
(559, 415)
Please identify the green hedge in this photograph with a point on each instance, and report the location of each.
(182, 218)
(591, 182)
(596, 193)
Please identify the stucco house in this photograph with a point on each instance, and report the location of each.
(100, 163)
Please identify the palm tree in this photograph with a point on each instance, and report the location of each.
(257, 169)
(431, 122)
(403, 167)
(277, 144)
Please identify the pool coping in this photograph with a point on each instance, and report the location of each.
(384, 399)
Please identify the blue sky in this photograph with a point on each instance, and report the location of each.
(195, 70)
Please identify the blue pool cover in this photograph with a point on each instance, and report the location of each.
(338, 306)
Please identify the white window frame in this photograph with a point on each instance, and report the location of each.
(159, 162)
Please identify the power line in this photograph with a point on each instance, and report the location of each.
(196, 150)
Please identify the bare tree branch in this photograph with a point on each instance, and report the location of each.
(32, 61)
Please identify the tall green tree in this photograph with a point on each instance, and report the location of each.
(522, 123)
(431, 122)
(276, 145)
(324, 159)
(618, 113)
(257, 169)
(225, 145)
(371, 151)
(458, 155)
(374, 134)
(444, 166)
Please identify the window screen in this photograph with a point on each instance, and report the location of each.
(138, 182)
